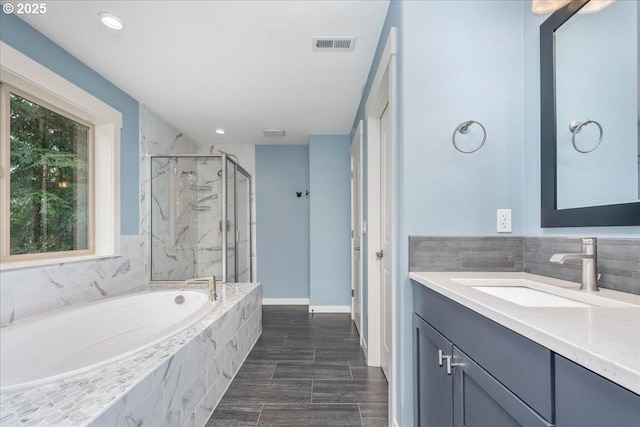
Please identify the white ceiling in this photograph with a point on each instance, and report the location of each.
(240, 65)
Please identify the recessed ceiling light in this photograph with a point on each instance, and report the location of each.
(220, 131)
(110, 20)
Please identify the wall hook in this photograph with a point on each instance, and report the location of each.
(299, 193)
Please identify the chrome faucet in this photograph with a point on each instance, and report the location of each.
(589, 259)
(211, 283)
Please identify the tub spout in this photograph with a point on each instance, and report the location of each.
(211, 283)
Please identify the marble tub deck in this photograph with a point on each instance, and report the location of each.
(177, 382)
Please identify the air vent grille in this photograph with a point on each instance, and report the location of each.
(273, 132)
(334, 43)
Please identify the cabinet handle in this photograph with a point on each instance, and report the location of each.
(440, 357)
(449, 364)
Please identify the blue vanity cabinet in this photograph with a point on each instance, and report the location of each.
(433, 405)
(585, 399)
(497, 377)
(458, 392)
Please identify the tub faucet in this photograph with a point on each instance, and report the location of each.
(211, 283)
(589, 259)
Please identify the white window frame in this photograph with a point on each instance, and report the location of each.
(26, 75)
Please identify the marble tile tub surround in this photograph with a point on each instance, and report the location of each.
(175, 383)
(26, 292)
(618, 259)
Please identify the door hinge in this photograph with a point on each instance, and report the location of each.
(353, 293)
(379, 254)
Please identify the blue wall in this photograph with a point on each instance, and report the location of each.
(330, 226)
(282, 220)
(21, 36)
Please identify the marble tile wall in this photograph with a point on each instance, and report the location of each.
(29, 291)
(26, 292)
(158, 137)
(618, 259)
(186, 210)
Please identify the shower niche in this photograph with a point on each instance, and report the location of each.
(200, 218)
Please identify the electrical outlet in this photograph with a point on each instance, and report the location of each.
(504, 220)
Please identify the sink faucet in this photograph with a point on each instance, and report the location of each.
(211, 283)
(589, 259)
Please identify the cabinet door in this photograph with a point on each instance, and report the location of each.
(585, 399)
(433, 388)
(480, 400)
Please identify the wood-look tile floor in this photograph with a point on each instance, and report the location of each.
(305, 370)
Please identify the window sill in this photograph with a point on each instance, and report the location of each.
(16, 265)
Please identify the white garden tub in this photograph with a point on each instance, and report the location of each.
(52, 347)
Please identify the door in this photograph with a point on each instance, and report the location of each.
(385, 255)
(356, 231)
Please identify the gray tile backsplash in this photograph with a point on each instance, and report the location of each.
(455, 253)
(618, 259)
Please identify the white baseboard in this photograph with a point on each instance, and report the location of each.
(285, 301)
(329, 309)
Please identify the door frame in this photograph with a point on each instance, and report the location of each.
(383, 91)
(357, 141)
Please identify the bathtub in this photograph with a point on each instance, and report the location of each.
(52, 347)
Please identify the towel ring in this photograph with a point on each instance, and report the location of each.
(463, 128)
(575, 128)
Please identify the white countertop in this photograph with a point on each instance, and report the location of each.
(605, 340)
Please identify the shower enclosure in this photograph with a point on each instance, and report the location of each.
(200, 218)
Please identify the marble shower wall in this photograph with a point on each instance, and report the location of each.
(159, 138)
(185, 204)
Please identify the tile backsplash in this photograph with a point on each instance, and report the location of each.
(618, 259)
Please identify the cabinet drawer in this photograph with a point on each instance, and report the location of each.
(522, 366)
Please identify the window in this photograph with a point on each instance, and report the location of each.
(49, 173)
(59, 168)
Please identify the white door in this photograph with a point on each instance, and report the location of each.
(356, 231)
(385, 255)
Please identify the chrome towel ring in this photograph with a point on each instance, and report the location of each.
(575, 127)
(463, 128)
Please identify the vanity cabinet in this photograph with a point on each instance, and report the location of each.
(500, 378)
(585, 399)
(471, 371)
(453, 390)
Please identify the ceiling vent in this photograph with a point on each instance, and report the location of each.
(273, 132)
(334, 43)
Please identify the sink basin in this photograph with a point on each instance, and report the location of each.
(529, 297)
(530, 293)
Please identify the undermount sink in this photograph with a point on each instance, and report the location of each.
(529, 293)
(529, 297)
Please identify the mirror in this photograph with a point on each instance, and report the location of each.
(589, 76)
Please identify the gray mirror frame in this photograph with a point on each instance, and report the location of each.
(551, 216)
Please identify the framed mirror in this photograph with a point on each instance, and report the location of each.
(590, 164)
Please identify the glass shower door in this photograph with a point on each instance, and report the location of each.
(185, 210)
(243, 212)
(230, 246)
